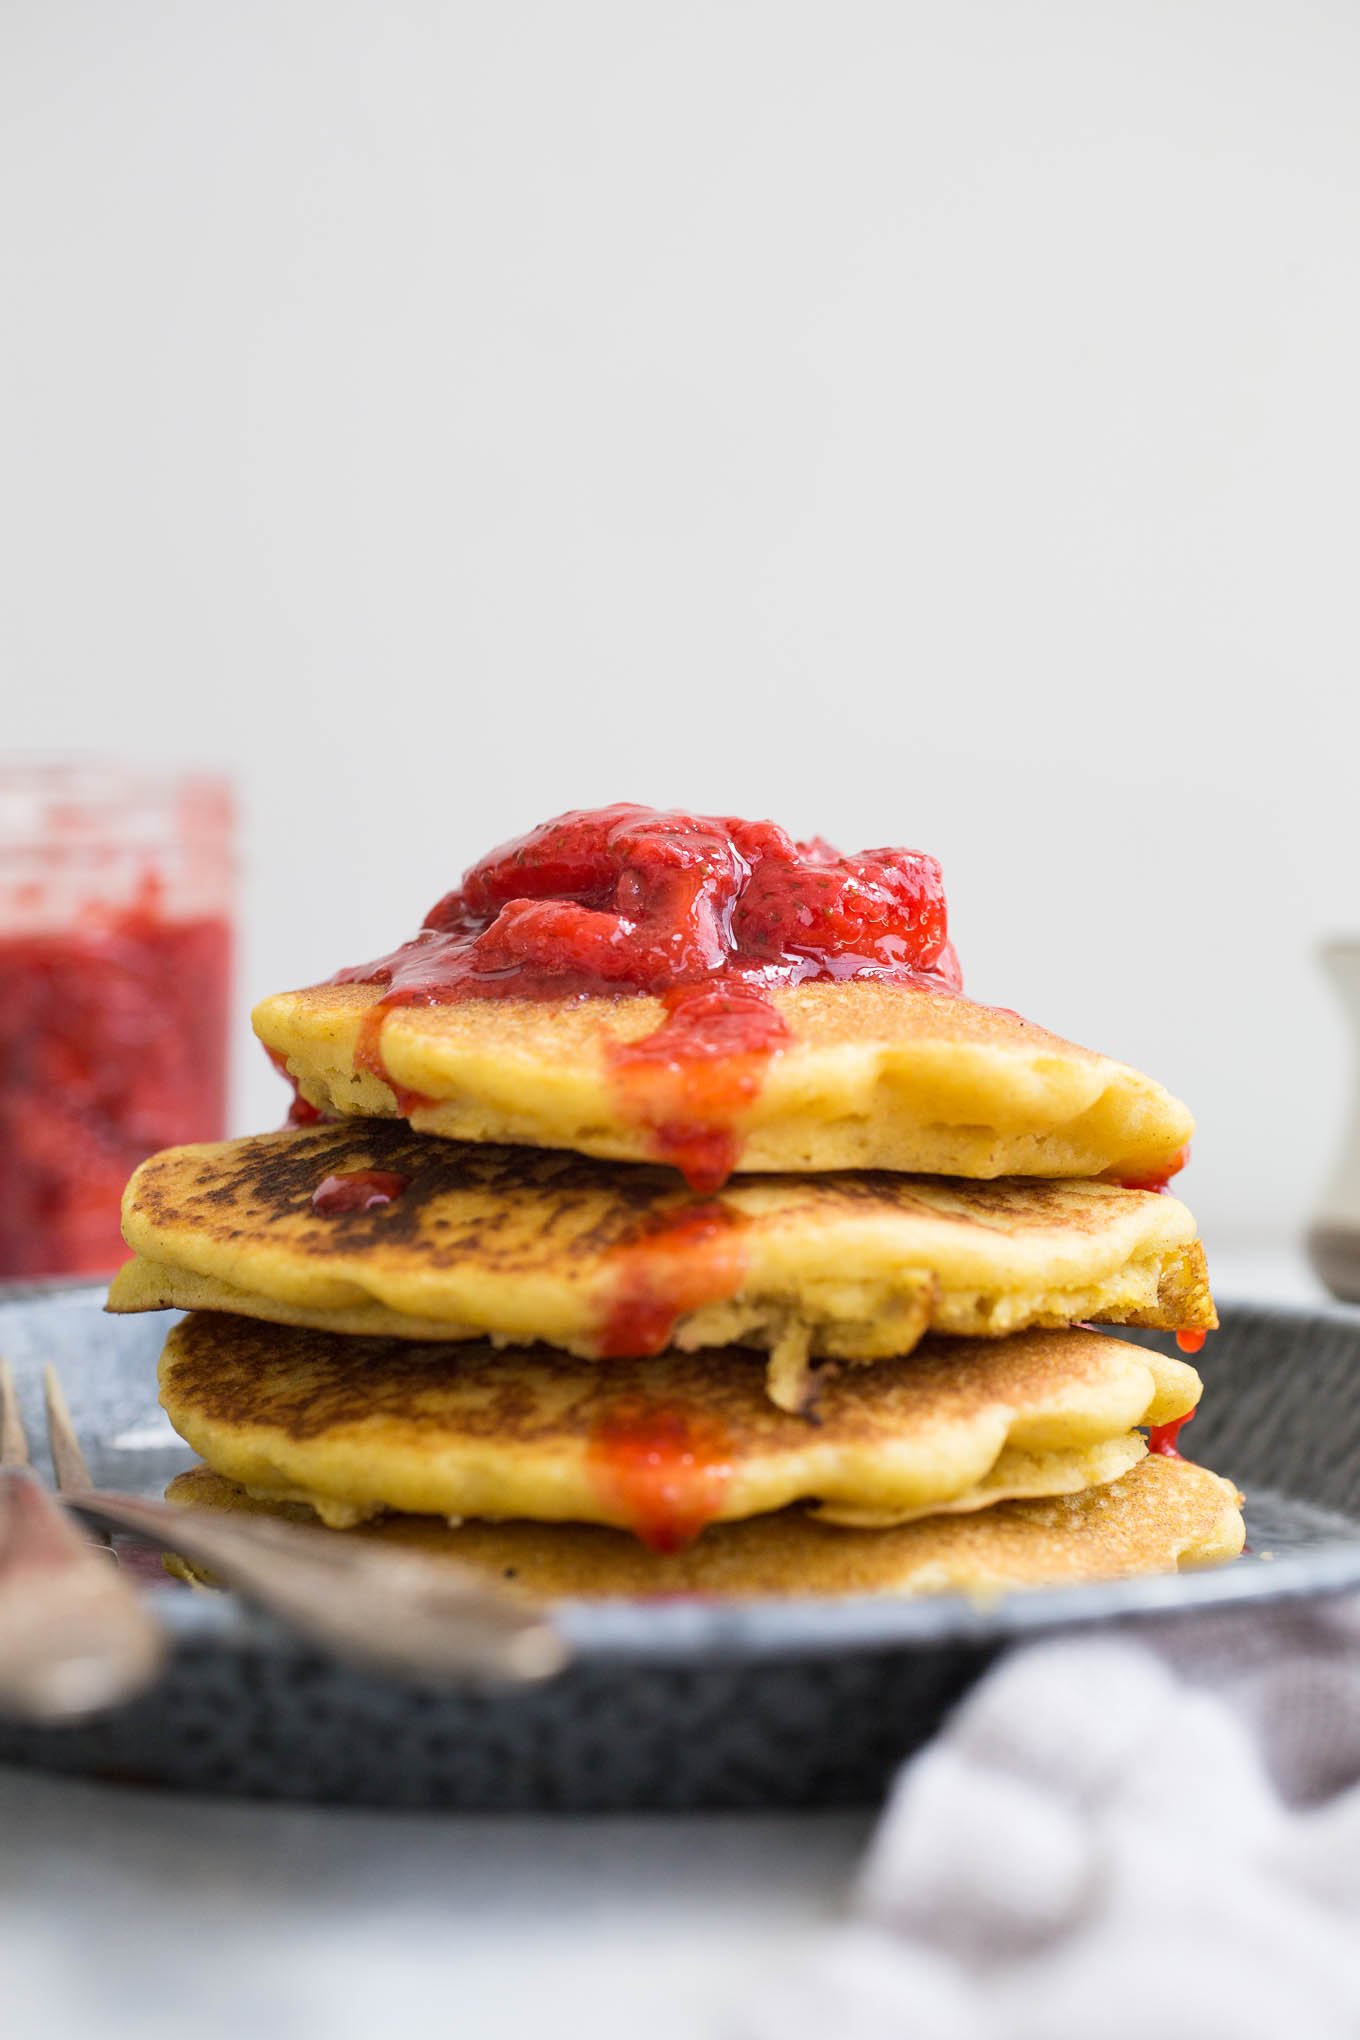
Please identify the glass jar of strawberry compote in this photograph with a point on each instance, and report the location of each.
(115, 955)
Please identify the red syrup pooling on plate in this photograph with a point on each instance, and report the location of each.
(357, 1190)
(663, 1466)
(1164, 1438)
(682, 1259)
(707, 913)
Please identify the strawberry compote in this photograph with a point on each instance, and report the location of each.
(681, 1259)
(664, 1466)
(1165, 1438)
(115, 946)
(707, 913)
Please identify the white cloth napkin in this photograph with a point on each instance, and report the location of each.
(1141, 1835)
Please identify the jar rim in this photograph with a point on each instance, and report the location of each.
(69, 807)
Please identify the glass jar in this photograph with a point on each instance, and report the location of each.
(116, 890)
(1334, 1236)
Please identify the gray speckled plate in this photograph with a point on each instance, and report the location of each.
(663, 1704)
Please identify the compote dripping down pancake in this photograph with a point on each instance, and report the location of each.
(367, 1228)
(708, 992)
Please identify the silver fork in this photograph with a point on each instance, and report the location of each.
(74, 1635)
(396, 1610)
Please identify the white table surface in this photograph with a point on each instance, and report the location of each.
(128, 1913)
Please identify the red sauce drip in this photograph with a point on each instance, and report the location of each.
(357, 1190)
(1191, 1341)
(112, 1044)
(706, 912)
(684, 1258)
(1159, 1182)
(1162, 1438)
(368, 1052)
(692, 1077)
(664, 1467)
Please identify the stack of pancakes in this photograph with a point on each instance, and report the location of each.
(462, 1308)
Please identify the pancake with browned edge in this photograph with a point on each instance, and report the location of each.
(661, 1446)
(604, 1261)
(1163, 1515)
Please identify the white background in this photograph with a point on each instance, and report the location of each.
(926, 423)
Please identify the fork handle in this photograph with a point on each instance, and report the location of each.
(75, 1637)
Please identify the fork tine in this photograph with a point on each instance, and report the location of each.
(68, 1461)
(13, 1442)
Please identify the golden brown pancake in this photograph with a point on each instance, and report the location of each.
(1165, 1514)
(519, 1244)
(873, 1076)
(661, 1446)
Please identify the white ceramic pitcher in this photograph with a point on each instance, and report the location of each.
(1334, 1237)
